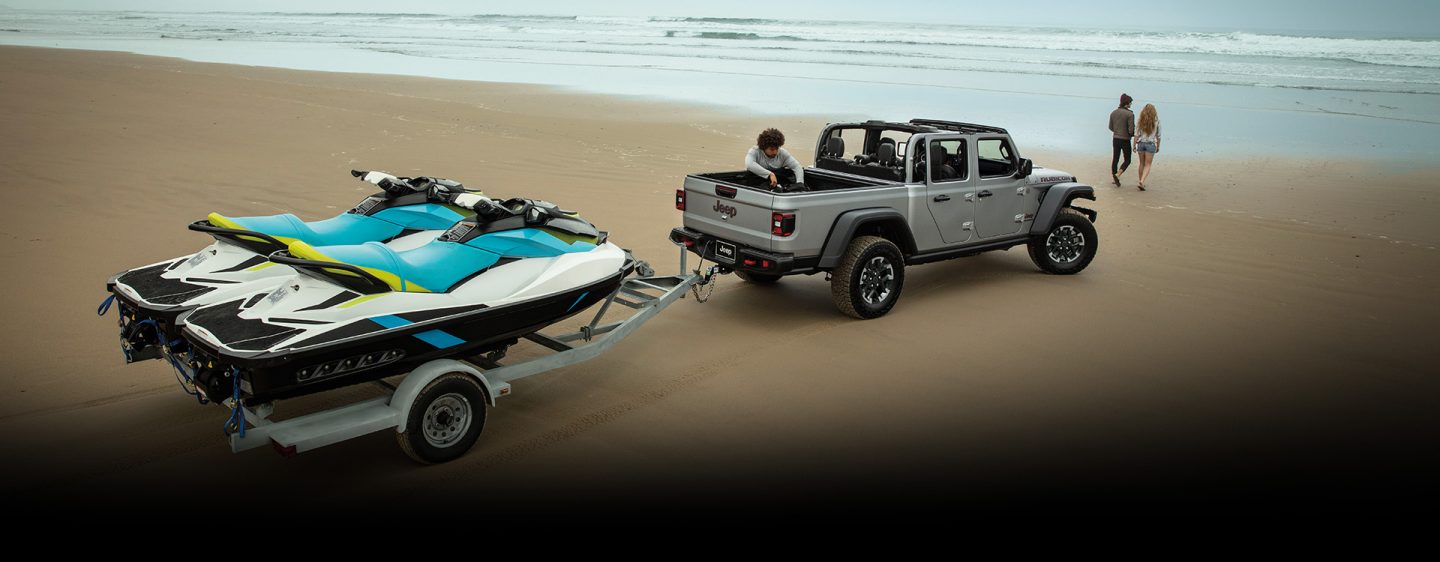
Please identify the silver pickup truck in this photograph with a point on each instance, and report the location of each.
(882, 196)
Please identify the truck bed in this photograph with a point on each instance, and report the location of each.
(815, 180)
(740, 207)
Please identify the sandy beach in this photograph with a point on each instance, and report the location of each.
(1252, 335)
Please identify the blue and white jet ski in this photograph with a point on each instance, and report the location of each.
(357, 313)
(407, 214)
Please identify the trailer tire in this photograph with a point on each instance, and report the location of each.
(757, 278)
(445, 420)
(868, 281)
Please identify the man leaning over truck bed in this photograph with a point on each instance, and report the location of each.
(766, 159)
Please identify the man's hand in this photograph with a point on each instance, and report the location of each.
(773, 180)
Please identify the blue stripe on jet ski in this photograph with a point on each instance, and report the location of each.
(439, 338)
(390, 321)
(577, 301)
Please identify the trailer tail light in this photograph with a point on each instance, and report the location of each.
(286, 451)
(782, 224)
(680, 199)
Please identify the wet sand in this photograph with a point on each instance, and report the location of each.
(1251, 337)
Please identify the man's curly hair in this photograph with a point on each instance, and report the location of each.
(770, 138)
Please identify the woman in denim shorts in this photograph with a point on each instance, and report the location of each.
(1147, 141)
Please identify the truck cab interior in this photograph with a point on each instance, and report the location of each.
(875, 151)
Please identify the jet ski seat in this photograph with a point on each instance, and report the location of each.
(345, 229)
(432, 268)
(440, 265)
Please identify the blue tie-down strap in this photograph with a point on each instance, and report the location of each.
(167, 349)
(105, 305)
(236, 423)
(182, 378)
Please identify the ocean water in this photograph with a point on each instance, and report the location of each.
(1218, 93)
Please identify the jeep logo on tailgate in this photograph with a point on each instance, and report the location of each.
(725, 211)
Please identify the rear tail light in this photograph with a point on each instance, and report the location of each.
(680, 199)
(782, 224)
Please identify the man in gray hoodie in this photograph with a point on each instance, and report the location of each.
(767, 158)
(1122, 127)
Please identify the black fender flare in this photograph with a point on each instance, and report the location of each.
(1058, 197)
(843, 231)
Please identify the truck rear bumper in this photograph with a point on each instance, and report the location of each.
(745, 259)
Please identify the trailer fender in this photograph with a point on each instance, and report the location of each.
(414, 382)
(1058, 197)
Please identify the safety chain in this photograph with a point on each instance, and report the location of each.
(708, 280)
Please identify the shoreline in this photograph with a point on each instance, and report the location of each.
(1212, 117)
(1203, 354)
(709, 111)
(1091, 168)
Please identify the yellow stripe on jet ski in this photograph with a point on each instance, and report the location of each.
(261, 266)
(568, 238)
(221, 221)
(358, 300)
(307, 252)
(462, 211)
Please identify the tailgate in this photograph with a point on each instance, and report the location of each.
(727, 211)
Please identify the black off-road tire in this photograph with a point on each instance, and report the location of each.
(458, 388)
(757, 278)
(1071, 228)
(848, 282)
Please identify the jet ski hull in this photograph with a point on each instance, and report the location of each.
(374, 348)
(152, 298)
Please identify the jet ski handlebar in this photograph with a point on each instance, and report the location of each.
(535, 212)
(397, 186)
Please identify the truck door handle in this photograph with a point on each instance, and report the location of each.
(942, 198)
(986, 193)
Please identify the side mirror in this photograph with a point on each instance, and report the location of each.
(1025, 168)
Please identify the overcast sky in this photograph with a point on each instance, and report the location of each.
(1391, 17)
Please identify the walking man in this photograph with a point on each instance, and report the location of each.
(1122, 127)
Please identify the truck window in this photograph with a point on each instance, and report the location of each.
(948, 161)
(995, 158)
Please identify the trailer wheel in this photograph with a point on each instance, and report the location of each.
(1069, 245)
(445, 420)
(757, 278)
(869, 279)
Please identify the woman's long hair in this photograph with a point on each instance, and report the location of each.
(1148, 119)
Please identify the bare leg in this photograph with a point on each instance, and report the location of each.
(1146, 159)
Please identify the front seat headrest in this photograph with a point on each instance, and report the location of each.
(938, 168)
(887, 154)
